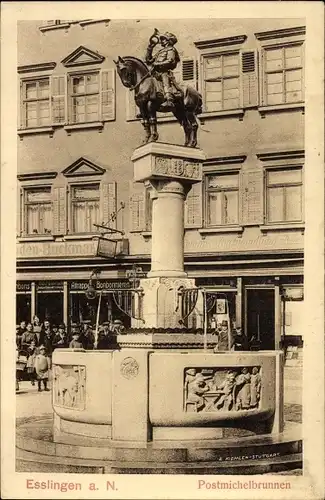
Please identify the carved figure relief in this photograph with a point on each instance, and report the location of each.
(176, 167)
(69, 386)
(219, 389)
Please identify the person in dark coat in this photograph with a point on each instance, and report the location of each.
(28, 337)
(48, 338)
(104, 337)
(38, 330)
(61, 341)
(19, 333)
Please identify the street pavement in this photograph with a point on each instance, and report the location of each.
(31, 403)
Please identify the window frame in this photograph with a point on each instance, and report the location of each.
(282, 160)
(278, 39)
(283, 71)
(273, 169)
(220, 54)
(220, 172)
(218, 47)
(24, 101)
(82, 184)
(25, 188)
(71, 95)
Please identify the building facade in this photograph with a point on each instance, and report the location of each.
(77, 128)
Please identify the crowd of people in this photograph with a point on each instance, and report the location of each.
(36, 341)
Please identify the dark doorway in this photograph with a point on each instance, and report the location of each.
(50, 306)
(260, 324)
(23, 307)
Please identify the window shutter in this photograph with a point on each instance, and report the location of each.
(20, 211)
(21, 108)
(107, 94)
(58, 99)
(137, 206)
(193, 207)
(59, 210)
(252, 212)
(108, 202)
(189, 73)
(131, 108)
(249, 77)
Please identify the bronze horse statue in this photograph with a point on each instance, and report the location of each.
(149, 98)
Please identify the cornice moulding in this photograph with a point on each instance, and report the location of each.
(281, 155)
(29, 68)
(271, 35)
(220, 42)
(224, 160)
(36, 175)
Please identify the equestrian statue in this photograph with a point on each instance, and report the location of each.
(156, 90)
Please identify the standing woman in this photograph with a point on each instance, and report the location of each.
(38, 330)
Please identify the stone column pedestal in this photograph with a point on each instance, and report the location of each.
(169, 172)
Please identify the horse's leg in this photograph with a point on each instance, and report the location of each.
(180, 113)
(193, 129)
(152, 113)
(145, 123)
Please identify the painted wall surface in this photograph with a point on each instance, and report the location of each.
(113, 146)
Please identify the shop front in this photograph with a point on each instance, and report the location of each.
(66, 301)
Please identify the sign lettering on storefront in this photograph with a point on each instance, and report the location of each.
(56, 249)
(100, 285)
(22, 286)
(50, 285)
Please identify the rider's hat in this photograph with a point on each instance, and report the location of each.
(170, 37)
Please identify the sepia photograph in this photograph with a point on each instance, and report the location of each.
(159, 295)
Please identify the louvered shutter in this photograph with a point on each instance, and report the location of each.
(108, 203)
(107, 94)
(189, 72)
(251, 190)
(58, 99)
(131, 108)
(193, 207)
(20, 211)
(249, 77)
(59, 210)
(137, 206)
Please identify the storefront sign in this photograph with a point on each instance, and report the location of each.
(22, 286)
(100, 285)
(293, 293)
(50, 285)
(106, 247)
(57, 249)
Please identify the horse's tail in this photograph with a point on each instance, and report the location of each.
(193, 100)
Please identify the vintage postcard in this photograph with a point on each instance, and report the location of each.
(162, 244)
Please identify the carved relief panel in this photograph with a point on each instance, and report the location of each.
(220, 389)
(69, 386)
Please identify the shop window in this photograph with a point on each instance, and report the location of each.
(283, 75)
(35, 103)
(37, 211)
(284, 195)
(222, 199)
(85, 208)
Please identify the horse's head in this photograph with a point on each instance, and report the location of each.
(125, 71)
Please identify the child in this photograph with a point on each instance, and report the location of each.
(75, 342)
(42, 366)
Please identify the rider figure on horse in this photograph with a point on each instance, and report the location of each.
(163, 62)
